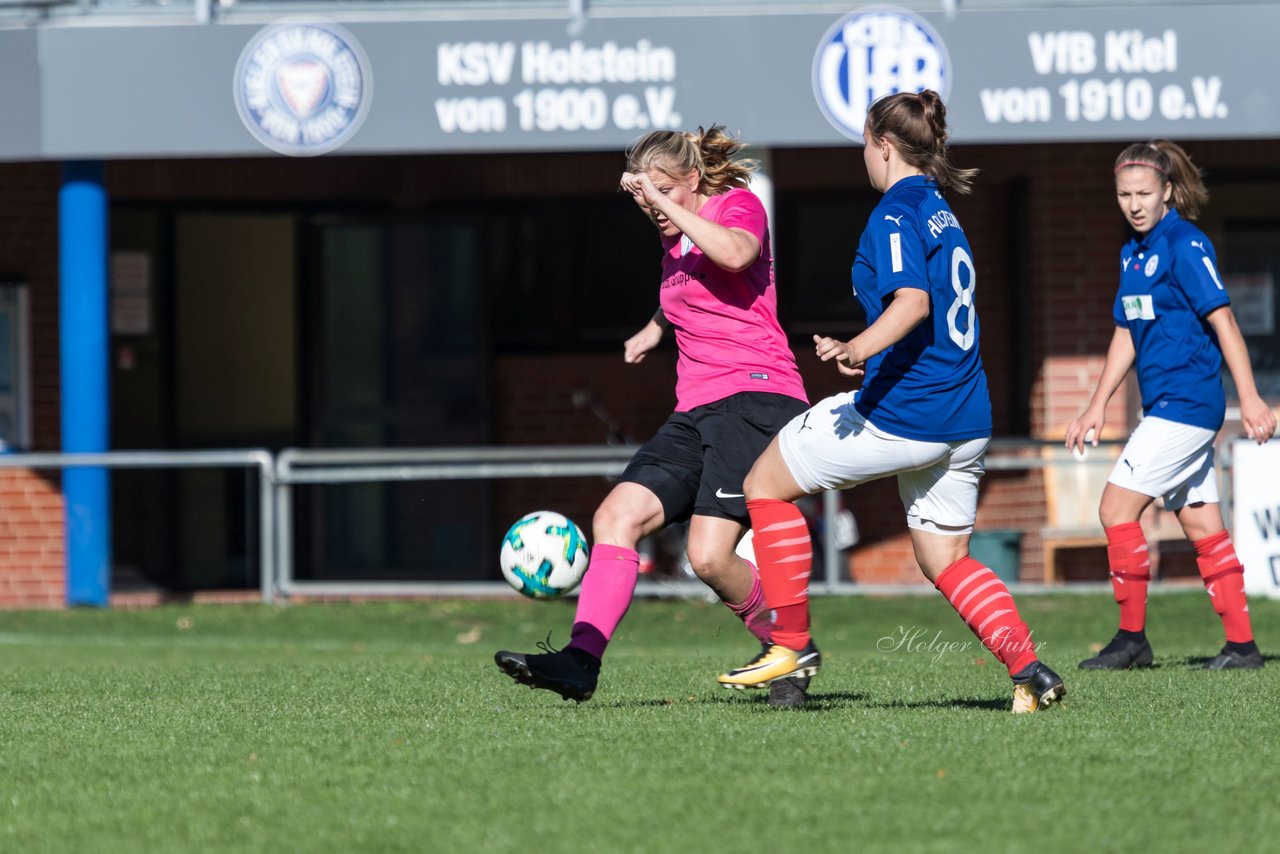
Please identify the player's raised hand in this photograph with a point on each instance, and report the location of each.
(833, 348)
(640, 185)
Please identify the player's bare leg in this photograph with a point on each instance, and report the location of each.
(785, 553)
(627, 514)
(983, 601)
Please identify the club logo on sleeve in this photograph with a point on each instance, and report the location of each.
(872, 53)
(1138, 307)
(303, 88)
(1152, 263)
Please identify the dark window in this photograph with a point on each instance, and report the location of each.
(817, 238)
(571, 274)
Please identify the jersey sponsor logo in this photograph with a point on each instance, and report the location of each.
(686, 245)
(896, 220)
(1138, 307)
(303, 88)
(720, 493)
(871, 53)
(1152, 263)
(1197, 244)
(678, 279)
(1124, 263)
(759, 375)
(895, 251)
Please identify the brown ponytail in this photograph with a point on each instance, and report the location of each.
(916, 124)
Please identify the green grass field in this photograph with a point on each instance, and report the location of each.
(386, 727)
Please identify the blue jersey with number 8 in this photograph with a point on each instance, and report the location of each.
(929, 386)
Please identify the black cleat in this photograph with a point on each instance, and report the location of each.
(570, 673)
(1036, 687)
(789, 693)
(1231, 659)
(1122, 653)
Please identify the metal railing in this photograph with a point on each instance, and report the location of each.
(259, 459)
(280, 473)
(297, 466)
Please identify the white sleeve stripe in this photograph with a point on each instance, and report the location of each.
(1212, 272)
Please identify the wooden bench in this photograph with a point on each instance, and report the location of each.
(1073, 488)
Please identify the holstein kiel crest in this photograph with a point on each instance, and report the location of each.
(303, 88)
(873, 53)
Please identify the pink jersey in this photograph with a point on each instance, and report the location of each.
(726, 324)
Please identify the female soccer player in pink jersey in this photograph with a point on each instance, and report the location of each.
(923, 413)
(736, 384)
(1174, 323)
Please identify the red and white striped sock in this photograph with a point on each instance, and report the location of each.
(983, 601)
(785, 554)
(1223, 577)
(1129, 560)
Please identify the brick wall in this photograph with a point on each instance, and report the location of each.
(31, 541)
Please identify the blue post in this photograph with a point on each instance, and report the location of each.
(83, 336)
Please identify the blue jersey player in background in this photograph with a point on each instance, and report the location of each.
(1175, 325)
(922, 415)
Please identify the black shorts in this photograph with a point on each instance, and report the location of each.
(697, 460)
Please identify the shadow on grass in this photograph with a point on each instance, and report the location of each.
(1198, 662)
(1000, 704)
(832, 700)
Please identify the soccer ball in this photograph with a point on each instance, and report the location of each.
(544, 555)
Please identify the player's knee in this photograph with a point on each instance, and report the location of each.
(1110, 514)
(709, 562)
(615, 523)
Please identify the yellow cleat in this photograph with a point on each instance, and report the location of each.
(1037, 687)
(773, 663)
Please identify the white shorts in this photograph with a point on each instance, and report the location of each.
(833, 447)
(1167, 459)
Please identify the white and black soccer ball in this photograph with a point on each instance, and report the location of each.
(544, 555)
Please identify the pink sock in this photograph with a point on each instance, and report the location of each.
(752, 611)
(605, 595)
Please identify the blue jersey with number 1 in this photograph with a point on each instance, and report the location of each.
(929, 386)
(1169, 284)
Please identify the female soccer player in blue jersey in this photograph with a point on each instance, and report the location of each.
(922, 414)
(1173, 320)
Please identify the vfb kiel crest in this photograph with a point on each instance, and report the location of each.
(872, 53)
(303, 88)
